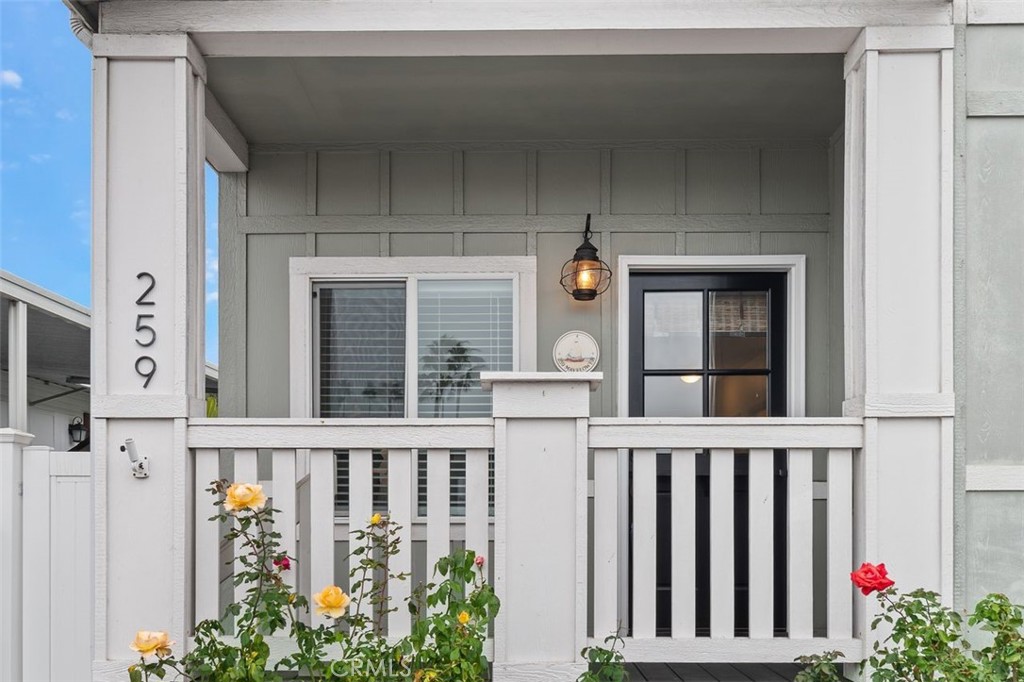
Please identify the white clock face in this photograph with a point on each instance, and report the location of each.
(576, 351)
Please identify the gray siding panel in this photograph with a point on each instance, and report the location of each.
(995, 538)
(422, 244)
(348, 183)
(996, 58)
(421, 183)
(267, 321)
(721, 243)
(494, 244)
(342, 244)
(794, 181)
(495, 183)
(643, 182)
(720, 181)
(568, 182)
(995, 280)
(277, 184)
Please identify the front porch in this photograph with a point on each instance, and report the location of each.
(586, 510)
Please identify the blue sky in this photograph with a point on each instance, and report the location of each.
(45, 196)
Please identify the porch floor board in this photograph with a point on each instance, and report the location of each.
(712, 672)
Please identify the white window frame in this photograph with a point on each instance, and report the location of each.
(795, 268)
(305, 272)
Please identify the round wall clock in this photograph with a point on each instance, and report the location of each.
(576, 351)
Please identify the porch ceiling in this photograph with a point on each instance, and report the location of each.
(57, 348)
(643, 97)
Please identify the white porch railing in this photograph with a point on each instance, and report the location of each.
(302, 486)
(722, 439)
(298, 463)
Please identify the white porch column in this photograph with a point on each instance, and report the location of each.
(899, 311)
(12, 442)
(540, 533)
(147, 333)
(17, 365)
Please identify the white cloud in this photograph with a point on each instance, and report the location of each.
(8, 165)
(39, 158)
(64, 115)
(212, 296)
(10, 79)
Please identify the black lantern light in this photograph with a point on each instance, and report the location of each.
(585, 276)
(77, 430)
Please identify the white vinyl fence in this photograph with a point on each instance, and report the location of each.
(47, 620)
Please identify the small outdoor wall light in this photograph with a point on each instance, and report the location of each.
(77, 430)
(585, 276)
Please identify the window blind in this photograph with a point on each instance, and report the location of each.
(362, 349)
(465, 327)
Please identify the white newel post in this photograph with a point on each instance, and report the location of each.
(540, 532)
(147, 333)
(899, 329)
(12, 442)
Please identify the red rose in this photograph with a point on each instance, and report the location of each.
(283, 563)
(870, 578)
(479, 561)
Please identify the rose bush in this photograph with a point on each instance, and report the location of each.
(451, 615)
(927, 641)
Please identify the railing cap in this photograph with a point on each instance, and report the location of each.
(488, 379)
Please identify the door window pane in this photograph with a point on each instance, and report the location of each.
(739, 396)
(465, 327)
(739, 329)
(674, 396)
(673, 330)
(362, 350)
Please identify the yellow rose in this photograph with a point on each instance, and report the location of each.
(375, 520)
(244, 496)
(463, 617)
(331, 601)
(148, 643)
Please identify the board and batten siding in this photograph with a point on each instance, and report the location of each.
(731, 198)
(989, 339)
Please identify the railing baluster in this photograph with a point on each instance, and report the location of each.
(360, 509)
(645, 525)
(477, 519)
(684, 543)
(245, 472)
(207, 541)
(723, 575)
(321, 521)
(800, 544)
(283, 464)
(606, 545)
(840, 545)
(400, 501)
(438, 507)
(762, 533)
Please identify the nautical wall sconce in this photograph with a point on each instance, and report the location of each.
(585, 276)
(77, 430)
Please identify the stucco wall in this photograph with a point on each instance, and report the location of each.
(710, 198)
(990, 336)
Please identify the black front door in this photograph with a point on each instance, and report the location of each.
(710, 345)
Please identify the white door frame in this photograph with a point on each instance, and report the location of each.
(796, 302)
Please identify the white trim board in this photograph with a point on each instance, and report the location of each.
(796, 324)
(304, 272)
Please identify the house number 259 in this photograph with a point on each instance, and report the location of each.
(145, 335)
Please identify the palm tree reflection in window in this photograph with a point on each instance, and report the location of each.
(447, 370)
